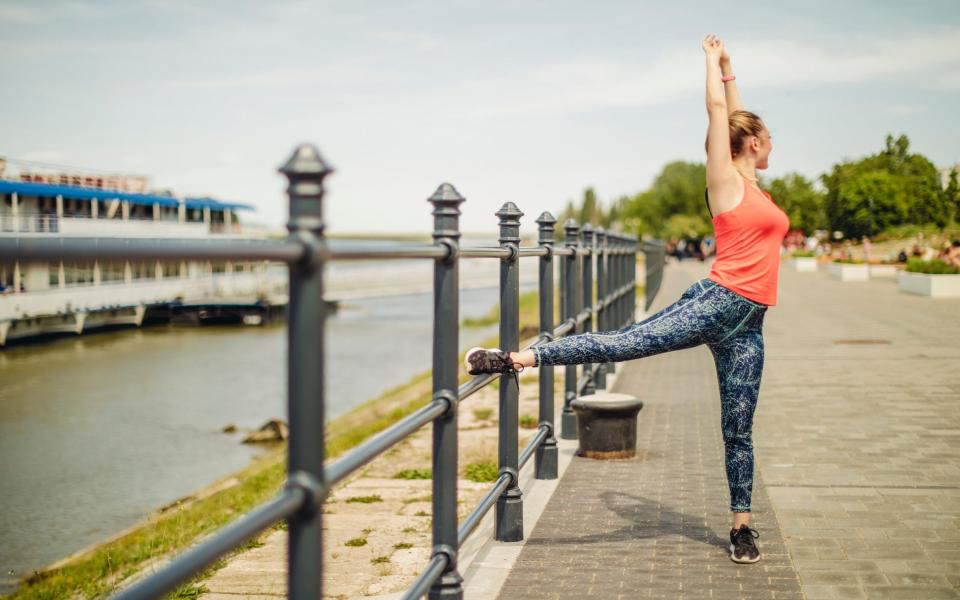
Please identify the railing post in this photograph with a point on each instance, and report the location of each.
(622, 277)
(446, 322)
(305, 171)
(546, 457)
(586, 289)
(610, 247)
(633, 280)
(509, 511)
(568, 420)
(602, 291)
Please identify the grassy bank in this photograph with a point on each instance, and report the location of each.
(98, 572)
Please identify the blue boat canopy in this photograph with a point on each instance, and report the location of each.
(49, 190)
(216, 204)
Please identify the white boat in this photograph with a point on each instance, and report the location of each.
(57, 297)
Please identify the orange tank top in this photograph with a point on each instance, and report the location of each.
(748, 246)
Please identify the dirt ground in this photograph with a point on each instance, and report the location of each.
(385, 519)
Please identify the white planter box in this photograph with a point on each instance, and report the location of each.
(935, 286)
(804, 264)
(883, 271)
(849, 272)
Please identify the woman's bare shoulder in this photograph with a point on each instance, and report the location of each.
(724, 193)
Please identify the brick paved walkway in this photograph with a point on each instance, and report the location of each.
(857, 489)
(657, 526)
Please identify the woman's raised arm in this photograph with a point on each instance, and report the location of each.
(730, 87)
(720, 171)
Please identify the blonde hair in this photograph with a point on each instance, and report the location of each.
(742, 124)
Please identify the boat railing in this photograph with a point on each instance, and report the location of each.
(597, 289)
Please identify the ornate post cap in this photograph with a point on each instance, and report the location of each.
(446, 202)
(446, 194)
(546, 220)
(305, 171)
(572, 229)
(509, 216)
(306, 161)
(545, 225)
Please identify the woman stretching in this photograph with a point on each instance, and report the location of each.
(724, 310)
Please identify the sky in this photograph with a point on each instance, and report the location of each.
(521, 101)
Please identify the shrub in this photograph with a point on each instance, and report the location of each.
(482, 472)
(482, 414)
(356, 542)
(528, 421)
(931, 267)
(849, 261)
(365, 499)
(414, 474)
(380, 560)
(403, 546)
(802, 254)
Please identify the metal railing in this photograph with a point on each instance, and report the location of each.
(305, 251)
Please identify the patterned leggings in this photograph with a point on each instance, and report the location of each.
(707, 313)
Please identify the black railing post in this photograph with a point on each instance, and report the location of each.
(622, 277)
(653, 254)
(546, 457)
(509, 511)
(633, 279)
(305, 171)
(586, 289)
(610, 247)
(446, 322)
(602, 291)
(568, 420)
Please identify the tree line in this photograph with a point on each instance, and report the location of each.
(858, 197)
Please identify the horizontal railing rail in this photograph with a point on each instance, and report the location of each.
(604, 302)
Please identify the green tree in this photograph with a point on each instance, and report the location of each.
(674, 204)
(951, 196)
(794, 194)
(589, 208)
(892, 187)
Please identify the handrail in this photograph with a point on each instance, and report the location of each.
(305, 251)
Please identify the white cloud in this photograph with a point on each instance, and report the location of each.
(902, 109)
(49, 156)
(334, 75)
(928, 56)
(10, 13)
(416, 40)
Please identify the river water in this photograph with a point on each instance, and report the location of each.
(97, 431)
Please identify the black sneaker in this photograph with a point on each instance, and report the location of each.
(490, 360)
(742, 547)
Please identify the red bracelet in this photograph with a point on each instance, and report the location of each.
(727, 78)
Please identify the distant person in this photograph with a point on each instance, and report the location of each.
(725, 310)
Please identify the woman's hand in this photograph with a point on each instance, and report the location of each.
(713, 47)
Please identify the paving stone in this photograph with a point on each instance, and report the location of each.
(857, 486)
(665, 515)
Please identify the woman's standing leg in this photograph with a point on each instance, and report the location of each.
(739, 362)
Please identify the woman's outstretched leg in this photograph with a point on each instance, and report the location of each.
(678, 326)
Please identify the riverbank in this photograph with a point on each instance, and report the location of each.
(96, 571)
